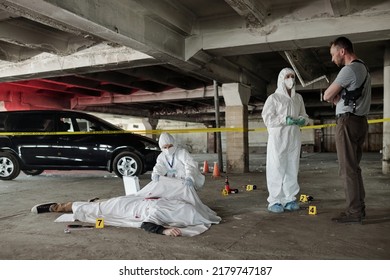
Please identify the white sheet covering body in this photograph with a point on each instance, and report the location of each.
(166, 202)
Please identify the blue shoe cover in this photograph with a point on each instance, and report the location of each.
(292, 206)
(276, 208)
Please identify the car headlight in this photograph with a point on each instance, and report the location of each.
(151, 146)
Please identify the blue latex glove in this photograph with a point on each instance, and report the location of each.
(188, 183)
(155, 177)
(300, 121)
(290, 121)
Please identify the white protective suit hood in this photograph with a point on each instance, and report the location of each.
(282, 89)
(166, 139)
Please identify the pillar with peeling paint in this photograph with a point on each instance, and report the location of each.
(386, 113)
(236, 98)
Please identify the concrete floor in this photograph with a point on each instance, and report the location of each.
(247, 230)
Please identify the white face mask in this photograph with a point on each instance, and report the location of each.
(289, 83)
(169, 151)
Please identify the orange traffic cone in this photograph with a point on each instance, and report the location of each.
(216, 172)
(205, 167)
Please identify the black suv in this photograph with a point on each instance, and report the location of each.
(32, 141)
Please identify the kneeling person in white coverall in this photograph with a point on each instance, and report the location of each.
(166, 205)
(283, 114)
(177, 162)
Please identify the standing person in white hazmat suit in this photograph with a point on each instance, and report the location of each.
(283, 114)
(177, 162)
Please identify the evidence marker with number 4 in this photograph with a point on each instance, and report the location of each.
(312, 210)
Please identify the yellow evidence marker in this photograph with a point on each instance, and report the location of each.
(312, 210)
(303, 198)
(99, 223)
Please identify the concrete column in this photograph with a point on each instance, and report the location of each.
(386, 113)
(153, 125)
(148, 126)
(236, 98)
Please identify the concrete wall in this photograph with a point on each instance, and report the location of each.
(193, 142)
(258, 139)
(125, 122)
(197, 142)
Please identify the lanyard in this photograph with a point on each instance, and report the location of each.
(173, 160)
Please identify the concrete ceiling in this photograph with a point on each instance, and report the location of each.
(158, 59)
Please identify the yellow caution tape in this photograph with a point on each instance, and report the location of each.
(173, 131)
(158, 131)
(379, 120)
(334, 124)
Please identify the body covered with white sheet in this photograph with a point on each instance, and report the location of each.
(166, 202)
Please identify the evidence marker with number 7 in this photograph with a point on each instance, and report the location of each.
(99, 223)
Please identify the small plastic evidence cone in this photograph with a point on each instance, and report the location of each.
(205, 167)
(227, 187)
(216, 172)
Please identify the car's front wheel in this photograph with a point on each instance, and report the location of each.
(127, 164)
(9, 166)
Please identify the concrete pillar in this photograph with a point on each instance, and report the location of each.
(236, 98)
(153, 125)
(148, 126)
(386, 113)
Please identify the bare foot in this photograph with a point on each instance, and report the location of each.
(172, 232)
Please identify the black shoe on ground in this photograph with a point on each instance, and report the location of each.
(343, 214)
(344, 218)
(42, 208)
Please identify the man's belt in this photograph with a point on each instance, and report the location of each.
(348, 114)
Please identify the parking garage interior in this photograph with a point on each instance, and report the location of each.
(197, 65)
